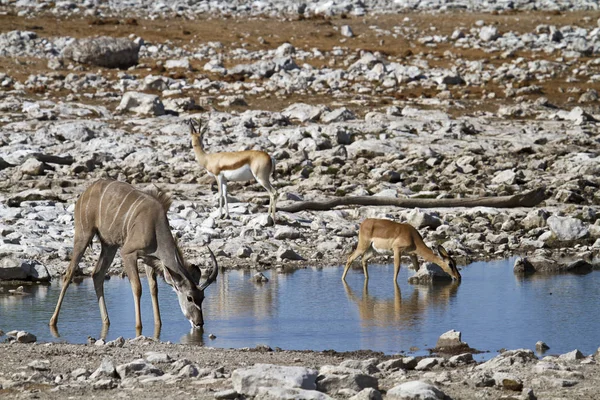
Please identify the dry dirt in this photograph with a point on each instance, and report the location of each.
(322, 33)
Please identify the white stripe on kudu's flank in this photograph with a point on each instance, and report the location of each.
(131, 211)
(100, 203)
(119, 209)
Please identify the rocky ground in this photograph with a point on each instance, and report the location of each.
(402, 99)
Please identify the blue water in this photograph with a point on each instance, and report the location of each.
(312, 309)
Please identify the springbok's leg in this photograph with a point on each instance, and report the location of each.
(80, 243)
(360, 249)
(130, 266)
(272, 195)
(151, 275)
(107, 254)
(397, 255)
(415, 261)
(222, 183)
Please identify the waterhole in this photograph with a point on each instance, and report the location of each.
(311, 309)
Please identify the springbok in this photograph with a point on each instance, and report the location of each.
(234, 166)
(136, 221)
(383, 235)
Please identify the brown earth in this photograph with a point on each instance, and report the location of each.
(324, 34)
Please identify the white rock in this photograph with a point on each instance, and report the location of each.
(567, 228)
(248, 381)
(415, 390)
(141, 103)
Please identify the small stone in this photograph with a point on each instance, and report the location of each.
(346, 31)
(211, 336)
(572, 356)
(259, 277)
(227, 394)
(155, 357)
(25, 337)
(541, 347)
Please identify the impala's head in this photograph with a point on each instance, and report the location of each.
(191, 295)
(450, 266)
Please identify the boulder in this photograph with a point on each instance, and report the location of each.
(527, 265)
(415, 390)
(103, 51)
(32, 167)
(17, 269)
(450, 339)
(249, 381)
(138, 368)
(567, 228)
(420, 219)
(429, 272)
(141, 103)
(278, 393)
(304, 112)
(332, 379)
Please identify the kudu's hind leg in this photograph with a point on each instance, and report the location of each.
(107, 255)
(80, 243)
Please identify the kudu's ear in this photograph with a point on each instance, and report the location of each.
(195, 272)
(442, 251)
(173, 280)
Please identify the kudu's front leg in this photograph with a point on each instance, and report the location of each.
(151, 275)
(130, 266)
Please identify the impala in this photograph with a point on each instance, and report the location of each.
(234, 166)
(382, 235)
(136, 221)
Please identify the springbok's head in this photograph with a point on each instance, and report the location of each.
(450, 263)
(191, 295)
(196, 127)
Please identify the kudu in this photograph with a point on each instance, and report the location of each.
(382, 235)
(136, 221)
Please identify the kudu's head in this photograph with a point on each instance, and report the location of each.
(450, 263)
(190, 294)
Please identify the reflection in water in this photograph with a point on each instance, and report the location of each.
(394, 311)
(312, 309)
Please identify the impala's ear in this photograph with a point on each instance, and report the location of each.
(442, 251)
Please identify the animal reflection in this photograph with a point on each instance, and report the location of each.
(395, 311)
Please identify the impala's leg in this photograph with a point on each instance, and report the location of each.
(80, 243)
(415, 261)
(360, 249)
(107, 254)
(151, 274)
(365, 259)
(130, 266)
(397, 255)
